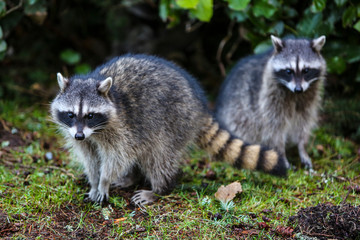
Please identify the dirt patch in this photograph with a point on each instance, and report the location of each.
(14, 138)
(7, 228)
(326, 221)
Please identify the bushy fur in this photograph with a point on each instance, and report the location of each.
(141, 112)
(274, 97)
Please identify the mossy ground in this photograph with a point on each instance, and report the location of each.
(42, 191)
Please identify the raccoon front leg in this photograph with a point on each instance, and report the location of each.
(93, 176)
(304, 157)
(106, 173)
(87, 155)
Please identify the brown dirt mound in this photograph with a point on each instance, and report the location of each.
(326, 221)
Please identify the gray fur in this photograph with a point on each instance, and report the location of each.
(154, 111)
(141, 112)
(261, 107)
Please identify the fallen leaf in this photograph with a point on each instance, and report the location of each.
(119, 220)
(226, 194)
(263, 225)
(284, 231)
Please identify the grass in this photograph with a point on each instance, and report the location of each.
(42, 197)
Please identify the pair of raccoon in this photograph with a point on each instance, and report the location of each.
(141, 112)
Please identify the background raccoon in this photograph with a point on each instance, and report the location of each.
(275, 96)
(141, 112)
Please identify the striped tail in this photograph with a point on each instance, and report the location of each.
(238, 153)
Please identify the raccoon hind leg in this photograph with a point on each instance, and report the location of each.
(133, 177)
(162, 176)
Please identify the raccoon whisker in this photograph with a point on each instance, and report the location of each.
(312, 80)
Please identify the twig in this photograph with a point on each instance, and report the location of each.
(62, 170)
(318, 234)
(190, 28)
(14, 8)
(347, 195)
(235, 46)
(221, 48)
(4, 125)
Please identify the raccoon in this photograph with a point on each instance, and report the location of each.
(274, 97)
(141, 112)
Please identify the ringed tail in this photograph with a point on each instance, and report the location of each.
(223, 146)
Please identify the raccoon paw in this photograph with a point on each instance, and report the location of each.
(143, 197)
(306, 161)
(101, 198)
(91, 196)
(97, 197)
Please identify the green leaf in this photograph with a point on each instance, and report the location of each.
(163, 10)
(82, 68)
(336, 65)
(278, 28)
(353, 55)
(265, 9)
(340, 3)
(262, 47)
(3, 46)
(357, 26)
(289, 12)
(2, 8)
(70, 56)
(309, 24)
(318, 5)
(1, 33)
(349, 16)
(239, 16)
(33, 7)
(187, 4)
(204, 10)
(31, 2)
(238, 5)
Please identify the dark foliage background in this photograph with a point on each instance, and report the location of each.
(39, 38)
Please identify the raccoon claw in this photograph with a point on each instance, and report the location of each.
(101, 198)
(306, 162)
(143, 197)
(95, 196)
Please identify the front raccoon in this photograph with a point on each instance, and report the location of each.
(275, 96)
(141, 112)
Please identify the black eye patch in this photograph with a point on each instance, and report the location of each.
(65, 118)
(311, 74)
(284, 74)
(96, 119)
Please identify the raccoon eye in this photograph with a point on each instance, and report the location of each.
(90, 115)
(71, 115)
(288, 71)
(305, 70)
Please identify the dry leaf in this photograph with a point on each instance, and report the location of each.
(226, 194)
(119, 220)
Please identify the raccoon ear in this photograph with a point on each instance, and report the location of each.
(63, 82)
(318, 43)
(277, 43)
(105, 85)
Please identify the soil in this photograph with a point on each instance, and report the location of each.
(324, 221)
(327, 221)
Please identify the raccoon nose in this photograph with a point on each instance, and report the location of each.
(298, 89)
(79, 136)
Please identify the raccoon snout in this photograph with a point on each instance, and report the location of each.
(298, 89)
(79, 136)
